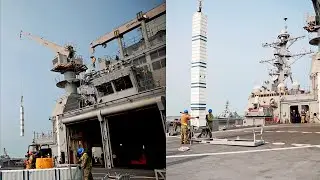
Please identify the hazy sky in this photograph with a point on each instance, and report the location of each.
(25, 65)
(235, 34)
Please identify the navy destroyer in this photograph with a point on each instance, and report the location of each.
(274, 101)
(7, 162)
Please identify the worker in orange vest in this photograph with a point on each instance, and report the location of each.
(30, 162)
(185, 117)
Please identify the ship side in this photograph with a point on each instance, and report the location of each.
(119, 103)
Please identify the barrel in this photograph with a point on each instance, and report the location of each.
(44, 163)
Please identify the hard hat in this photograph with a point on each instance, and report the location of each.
(185, 111)
(210, 110)
(80, 151)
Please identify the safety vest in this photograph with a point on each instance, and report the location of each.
(210, 117)
(184, 119)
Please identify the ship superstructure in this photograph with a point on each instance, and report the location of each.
(198, 67)
(119, 104)
(274, 101)
(6, 162)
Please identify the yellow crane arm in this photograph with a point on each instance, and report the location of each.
(56, 48)
(153, 13)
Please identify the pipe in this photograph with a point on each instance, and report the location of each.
(113, 110)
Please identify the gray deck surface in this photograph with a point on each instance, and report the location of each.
(292, 152)
(99, 173)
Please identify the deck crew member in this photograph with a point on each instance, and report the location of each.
(185, 117)
(31, 162)
(86, 164)
(303, 116)
(295, 117)
(93, 59)
(208, 129)
(209, 118)
(307, 117)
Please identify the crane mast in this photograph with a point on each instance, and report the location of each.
(65, 62)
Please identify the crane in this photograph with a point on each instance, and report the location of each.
(127, 27)
(67, 51)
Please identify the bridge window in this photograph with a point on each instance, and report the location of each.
(156, 65)
(159, 64)
(158, 53)
(123, 83)
(105, 89)
(140, 60)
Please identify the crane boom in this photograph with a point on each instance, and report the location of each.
(153, 13)
(56, 48)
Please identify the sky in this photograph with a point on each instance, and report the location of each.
(26, 65)
(235, 35)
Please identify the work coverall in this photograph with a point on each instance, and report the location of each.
(184, 128)
(303, 116)
(31, 162)
(207, 130)
(307, 117)
(209, 119)
(86, 165)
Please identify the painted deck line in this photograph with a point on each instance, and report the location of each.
(301, 145)
(237, 152)
(278, 143)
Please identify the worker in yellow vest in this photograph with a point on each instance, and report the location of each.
(185, 117)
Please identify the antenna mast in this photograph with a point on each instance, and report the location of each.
(281, 64)
(200, 5)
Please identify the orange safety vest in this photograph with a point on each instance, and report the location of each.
(184, 119)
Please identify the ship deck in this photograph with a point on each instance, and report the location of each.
(290, 152)
(99, 173)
